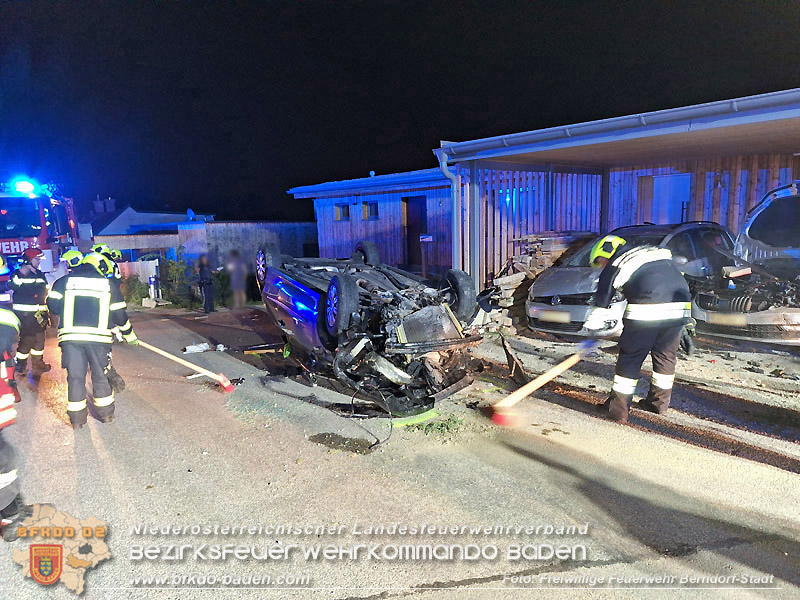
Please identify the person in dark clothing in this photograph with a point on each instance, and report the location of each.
(206, 283)
(658, 307)
(237, 269)
(89, 306)
(30, 290)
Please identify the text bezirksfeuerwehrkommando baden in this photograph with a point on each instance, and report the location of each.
(357, 529)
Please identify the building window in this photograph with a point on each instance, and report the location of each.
(370, 210)
(342, 212)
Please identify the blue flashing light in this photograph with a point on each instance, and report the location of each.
(24, 187)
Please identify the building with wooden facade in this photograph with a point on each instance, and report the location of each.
(407, 215)
(712, 161)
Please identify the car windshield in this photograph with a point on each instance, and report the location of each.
(581, 257)
(19, 217)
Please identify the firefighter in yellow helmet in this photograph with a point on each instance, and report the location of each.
(658, 307)
(72, 258)
(113, 255)
(89, 306)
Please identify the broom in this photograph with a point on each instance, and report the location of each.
(223, 381)
(502, 412)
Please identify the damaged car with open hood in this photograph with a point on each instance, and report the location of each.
(757, 296)
(392, 336)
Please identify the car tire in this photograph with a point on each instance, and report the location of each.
(366, 252)
(268, 256)
(341, 301)
(459, 291)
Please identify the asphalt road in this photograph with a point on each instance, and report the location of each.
(278, 451)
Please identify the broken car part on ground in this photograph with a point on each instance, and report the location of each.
(388, 334)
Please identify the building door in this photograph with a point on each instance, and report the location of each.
(415, 220)
(671, 195)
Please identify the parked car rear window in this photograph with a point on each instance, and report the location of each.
(776, 225)
(581, 257)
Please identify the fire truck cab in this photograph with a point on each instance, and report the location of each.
(34, 216)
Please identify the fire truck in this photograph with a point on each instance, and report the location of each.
(34, 215)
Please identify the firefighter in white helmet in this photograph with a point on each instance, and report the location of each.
(88, 307)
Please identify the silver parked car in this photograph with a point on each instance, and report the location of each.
(560, 299)
(764, 305)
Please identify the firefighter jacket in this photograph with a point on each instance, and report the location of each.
(654, 288)
(9, 331)
(89, 306)
(30, 289)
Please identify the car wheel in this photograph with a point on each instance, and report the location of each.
(458, 290)
(268, 256)
(366, 252)
(341, 301)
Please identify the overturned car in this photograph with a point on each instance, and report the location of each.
(389, 334)
(757, 298)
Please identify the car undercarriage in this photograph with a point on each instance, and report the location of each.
(389, 335)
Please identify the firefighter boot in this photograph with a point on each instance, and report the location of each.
(21, 369)
(658, 397)
(616, 407)
(38, 366)
(12, 516)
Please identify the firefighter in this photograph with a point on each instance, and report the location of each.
(111, 254)
(114, 378)
(30, 291)
(72, 258)
(12, 511)
(89, 305)
(658, 307)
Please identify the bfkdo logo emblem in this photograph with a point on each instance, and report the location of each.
(46, 562)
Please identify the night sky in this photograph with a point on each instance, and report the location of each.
(223, 106)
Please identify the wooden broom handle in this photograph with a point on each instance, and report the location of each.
(530, 387)
(185, 363)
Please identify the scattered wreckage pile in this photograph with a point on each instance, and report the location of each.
(502, 305)
(389, 335)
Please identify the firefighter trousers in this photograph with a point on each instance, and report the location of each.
(9, 483)
(639, 339)
(78, 358)
(31, 339)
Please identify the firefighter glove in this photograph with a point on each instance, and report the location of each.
(131, 339)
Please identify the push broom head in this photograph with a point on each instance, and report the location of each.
(225, 384)
(505, 417)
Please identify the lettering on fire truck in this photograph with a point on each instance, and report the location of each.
(13, 247)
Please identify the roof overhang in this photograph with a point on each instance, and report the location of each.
(766, 123)
(425, 178)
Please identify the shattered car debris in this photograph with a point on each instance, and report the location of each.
(395, 337)
(760, 300)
